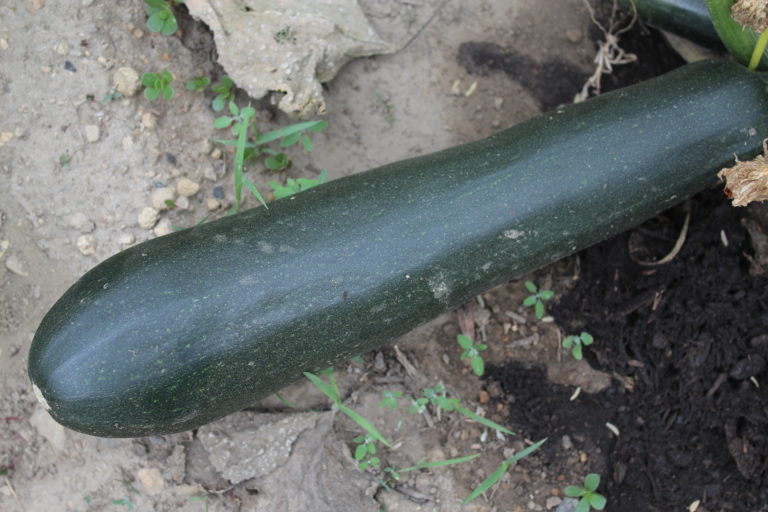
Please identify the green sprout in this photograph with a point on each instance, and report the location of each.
(574, 343)
(160, 16)
(418, 405)
(472, 351)
(156, 84)
(294, 186)
(225, 93)
(589, 498)
(198, 84)
(390, 399)
(285, 35)
(365, 452)
(537, 299)
(496, 475)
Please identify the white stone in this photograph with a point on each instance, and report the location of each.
(15, 265)
(163, 227)
(126, 239)
(92, 132)
(187, 187)
(148, 218)
(87, 244)
(62, 48)
(182, 203)
(126, 81)
(149, 120)
(82, 223)
(160, 196)
(151, 479)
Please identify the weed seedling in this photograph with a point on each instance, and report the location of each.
(365, 452)
(472, 351)
(198, 84)
(225, 93)
(160, 16)
(537, 298)
(284, 35)
(496, 475)
(574, 343)
(294, 186)
(390, 399)
(589, 498)
(156, 84)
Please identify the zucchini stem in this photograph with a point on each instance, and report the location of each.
(757, 53)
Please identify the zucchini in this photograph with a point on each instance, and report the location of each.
(186, 328)
(686, 18)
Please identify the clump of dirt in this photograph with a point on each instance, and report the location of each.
(686, 342)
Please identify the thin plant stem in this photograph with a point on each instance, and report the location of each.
(757, 53)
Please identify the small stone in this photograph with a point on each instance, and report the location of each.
(5, 138)
(216, 153)
(126, 239)
(3, 43)
(62, 48)
(15, 265)
(160, 196)
(127, 143)
(163, 228)
(566, 442)
(92, 132)
(574, 35)
(4, 245)
(583, 457)
(126, 81)
(182, 203)
(213, 204)
(148, 120)
(209, 173)
(151, 479)
(568, 505)
(484, 397)
(82, 223)
(205, 146)
(137, 33)
(186, 187)
(87, 244)
(218, 192)
(552, 502)
(148, 217)
(498, 102)
(36, 5)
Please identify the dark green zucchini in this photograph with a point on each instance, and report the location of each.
(686, 18)
(186, 328)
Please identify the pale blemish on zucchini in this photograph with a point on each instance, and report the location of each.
(40, 397)
(513, 234)
(439, 287)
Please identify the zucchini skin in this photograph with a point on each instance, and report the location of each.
(181, 330)
(687, 18)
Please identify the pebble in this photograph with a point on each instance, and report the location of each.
(70, 67)
(213, 204)
(82, 223)
(160, 196)
(4, 245)
(568, 505)
(148, 217)
(126, 239)
(483, 397)
(218, 192)
(583, 457)
(209, 173)
(205, 146)
(62, 48)
(15, 265)
(216, 153)
(566, 442)
(3, 43)
(36, 5)
(92, 132)
(182, 203)
(126, 81)
(151, 479)
(137, 33)
(5, 138)
(163, 227)
(552, 502)
(574, 35)
(149, 120)
(87, 244)
(186, 187)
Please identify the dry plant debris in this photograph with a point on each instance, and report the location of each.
(746, 182)
(751, 14)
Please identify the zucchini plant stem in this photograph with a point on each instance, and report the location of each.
(759, 49)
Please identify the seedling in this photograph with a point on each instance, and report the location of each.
(225, 93)
(589, 498)
(160, 16)
(294, 186)
(156, 84)
(285, 35)
(111, 96)
(198, 84)
(64, 160)
(496, 475)
(390, 399)
(574, 343)
(472, 351)
(537, 298)
(418, 405)
(365, 452)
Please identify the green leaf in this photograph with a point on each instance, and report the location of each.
(290, 140)
(546, 294)
(277, 162)
(576, 351)
(307, 141)
(539, 309)
(156, 22)
(250, 186)
(586, 338)
(485, 421)
(278, 395)
(223, 122)
(166, 77)
(151, 94)
(464, 341)
(574, 491)
(488, 482)
(583, 505)
(531, 287)
(286, 131)
(597, 501)
(170, 25)
(168, 92)
(568, 342)
(323, 386)
(480, 347)
(527, 451)
(591, 481)
(148, 79)
(319, 126)
(218, 103)
(530, 300)
(439, 463)
(478, 366)
(233, 108)
(364, 423)
(361, 451)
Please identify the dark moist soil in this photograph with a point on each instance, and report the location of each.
(687, 342)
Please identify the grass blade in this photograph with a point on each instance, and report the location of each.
(289, 130)
(323, 386)
(439, 463)
(365, 424)
(488, 482)
(485, 421)
(524, 453)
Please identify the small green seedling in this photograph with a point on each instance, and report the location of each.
(160, 16)
(589, 498)
(64, 160)
(496, 475)
(365, 452)
(417, 405)
(198, 84)
(285, 35)
(225, 93)
(111, 96)
(390, 399)
(294, 186)
(574, 343)
(472, 351)
(156, 84)
(537, 299)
